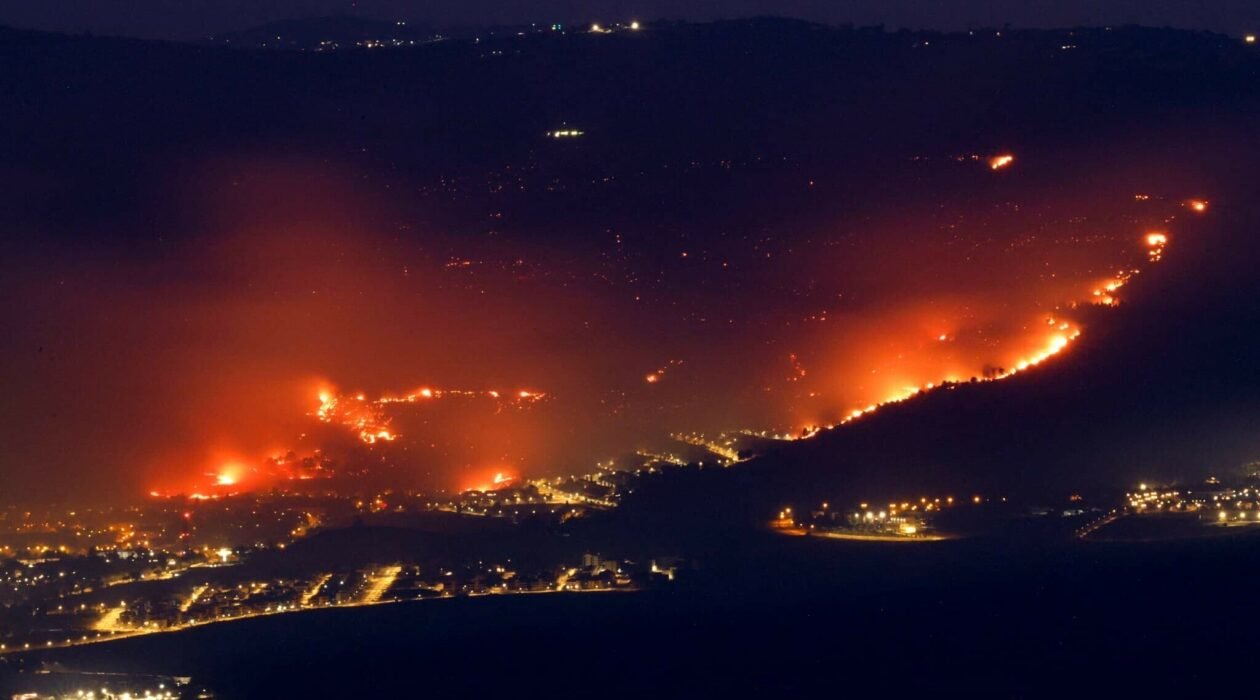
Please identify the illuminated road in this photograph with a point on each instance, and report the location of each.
(859, 537)
(109, 622)
(111, 630)
(724, 450)
(1095, 526)
(314, 589)
(381, 581)
(555, 496)
(192, 598)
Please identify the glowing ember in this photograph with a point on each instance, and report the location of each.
(1156, 242)
(659, 374)
(999, 162)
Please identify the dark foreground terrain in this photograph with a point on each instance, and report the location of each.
(980, 617)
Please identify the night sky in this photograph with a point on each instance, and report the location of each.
(182, 19)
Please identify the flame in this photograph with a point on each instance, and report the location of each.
(1057, 342)
(1001, 161)
(368, 420)
(500, 479)
(367, 417)
(659, 373)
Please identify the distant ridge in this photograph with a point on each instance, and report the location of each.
(327, 33)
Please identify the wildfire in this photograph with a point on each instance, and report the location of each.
(500, 480)
(943, 348)
(1063, 332)
(368, 420)
(999, 162)
(659, 374)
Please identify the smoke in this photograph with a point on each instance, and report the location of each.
(169, 360)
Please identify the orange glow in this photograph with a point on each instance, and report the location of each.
(1001, 161)
(367, 417)
(1198, 205)
(660, 372)
(887, 348)
(500, 479)
(1064, 332)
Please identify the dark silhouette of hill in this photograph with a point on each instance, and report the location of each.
(325, 33)
(699, 90)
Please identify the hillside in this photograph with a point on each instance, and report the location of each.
(1164, 387)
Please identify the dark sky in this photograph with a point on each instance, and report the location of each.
(181, 19)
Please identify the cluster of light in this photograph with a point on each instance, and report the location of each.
(1149, 498)
(565, 133)
(806, 432)
(517, 398)
(597, 28)
(1238, 501)
(1155, 243)
(722, 447)
(160, 694)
